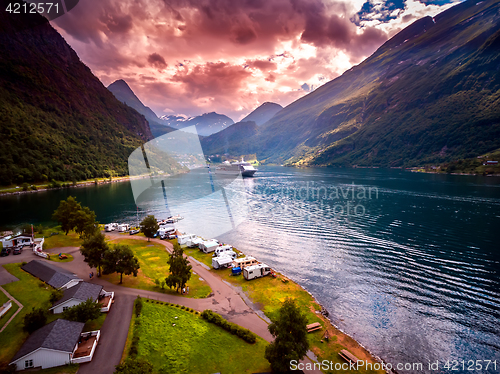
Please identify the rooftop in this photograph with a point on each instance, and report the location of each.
(49, 273)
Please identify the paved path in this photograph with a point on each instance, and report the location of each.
(225, 300)
(17, 311)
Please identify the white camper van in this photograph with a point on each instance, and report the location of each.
(123, 227)
(110, 227)
(192, 243)
(244, 262)
(222, 250)
(221, 262)
(183, 239)
(256, 271)
(208, 245)
(165, 229)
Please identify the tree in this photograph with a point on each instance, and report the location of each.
(84, 223)
(93, 249)
(149, 226)
(83, 312)
(290, 333)
(34, 320)
(180, 270)
(120, 259)
(134, 366)
(64, 213)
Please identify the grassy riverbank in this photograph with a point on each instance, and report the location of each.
(200, 347)
(268, 293)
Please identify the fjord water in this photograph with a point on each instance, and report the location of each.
(407, 263)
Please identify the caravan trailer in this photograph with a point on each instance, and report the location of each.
(16, 241)
(221, 262)
(164, 230)
(244, 262)
(256, 271)
(183, 239)
(111, 227)
(123, 227)
(193, 243)
(208, 245)
(223, 250)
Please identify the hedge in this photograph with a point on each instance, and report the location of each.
(234, 329)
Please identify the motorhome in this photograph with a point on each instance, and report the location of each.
(111, 227)
(16, 241)
(244, 262)
(192, 243)
(256, 271)
(222, 250)
(164, 230)
(209, 245)
(221, 262)
(123, 227)
(182, 239)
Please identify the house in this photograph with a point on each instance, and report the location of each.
(59, 343)
(51, 274)
(81, 293)
(490, 162)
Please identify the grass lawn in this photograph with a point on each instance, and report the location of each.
(61, 240)
(153, 259)
(30, 292)
(55, 257)
(268, 293)
(200, 347)
(10, 312)
(95, 324)
(66, 369)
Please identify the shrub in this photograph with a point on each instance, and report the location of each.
(34, 320)
(25, 186)
(55, 296)
(234, 329)
(157, 282)
(138, 306)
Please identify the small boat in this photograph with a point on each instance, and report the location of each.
(135, 231)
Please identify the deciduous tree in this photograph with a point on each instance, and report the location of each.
(180, 269)
(93, 249)
(290, 333)
(149, 226)
(120, 259)
(84, 223)
(83, 312)
(34, 320)
(64, 213)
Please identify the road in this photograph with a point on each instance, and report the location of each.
(225, 300)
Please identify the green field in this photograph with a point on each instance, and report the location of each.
(61, 240)
(269, 293)
(153, 259)
(200, 347)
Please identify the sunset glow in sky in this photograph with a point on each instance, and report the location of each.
(229, 56)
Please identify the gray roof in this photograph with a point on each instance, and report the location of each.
(60, 335)
(82, 291)
(49, 273)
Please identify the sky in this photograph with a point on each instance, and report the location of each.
(188, 57)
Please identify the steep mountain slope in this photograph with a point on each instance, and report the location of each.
(233, 140)
(206, 124)
(263, 113)
(124, 93)
(429, 94)
(57, 120)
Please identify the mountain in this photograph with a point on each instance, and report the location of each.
(124, 93)
(430, 94)
(232, 140)
(263, 113)
(57, 120)
(206, 124)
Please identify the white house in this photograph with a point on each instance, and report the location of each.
(81, 293)
(59, 343)
(51, 274)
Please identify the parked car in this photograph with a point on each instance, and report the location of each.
(5, 252)
(17, 251)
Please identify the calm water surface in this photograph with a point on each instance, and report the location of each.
(408, 264)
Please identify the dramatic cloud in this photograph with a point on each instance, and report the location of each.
(194, 56)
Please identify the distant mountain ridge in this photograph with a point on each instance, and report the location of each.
(206, 124)
(263, 113)
(124, 93)
(57, 120)
(430, 94)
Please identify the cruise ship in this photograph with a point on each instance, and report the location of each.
(246, 168)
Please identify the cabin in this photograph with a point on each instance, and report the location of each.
(51, 274)
(256, 271)
(81, 293)
(59, 343)
(244, 262)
